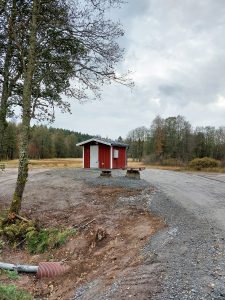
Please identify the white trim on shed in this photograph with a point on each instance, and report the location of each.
(111, 157)
(83, 156)
(93, 140)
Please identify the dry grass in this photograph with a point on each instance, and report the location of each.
(207, 170)
(77, 163)
(136, 164)
(48, 163)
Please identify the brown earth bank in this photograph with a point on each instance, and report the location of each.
(112, 223)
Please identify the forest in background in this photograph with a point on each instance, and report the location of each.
(45, 142)
(171, 141)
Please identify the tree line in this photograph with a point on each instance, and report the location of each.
(174, 140)
(169, 140)
(44, 142)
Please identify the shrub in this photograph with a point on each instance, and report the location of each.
(203, 163)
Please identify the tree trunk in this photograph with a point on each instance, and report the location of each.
(6, 75)
(26, 115)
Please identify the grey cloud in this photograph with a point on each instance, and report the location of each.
(170, 90)
(133, 9)
(176, 50)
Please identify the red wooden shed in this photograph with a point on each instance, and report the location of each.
(104, 154)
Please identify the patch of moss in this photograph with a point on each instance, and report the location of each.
(3, 217)
(11, 292)
(13, 275)
(2, 243)
(21, 233)
(15, 233)
(45, 239)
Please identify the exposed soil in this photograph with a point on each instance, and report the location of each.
(112, 223)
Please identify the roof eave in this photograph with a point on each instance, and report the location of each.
(93, 140)
(120, 145)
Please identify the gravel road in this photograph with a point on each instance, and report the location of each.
(186, 260)
(191, 250)
(195, 192)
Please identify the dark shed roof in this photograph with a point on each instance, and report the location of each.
(103, 141)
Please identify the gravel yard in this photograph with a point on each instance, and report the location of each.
(165, 239)
(191, 250)
(186, 260)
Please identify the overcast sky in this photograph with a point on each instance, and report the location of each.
(176, 51)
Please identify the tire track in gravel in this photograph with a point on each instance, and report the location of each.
(141, 283)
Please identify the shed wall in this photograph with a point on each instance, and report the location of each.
(121, 161)
(87, 156)
(104, 156)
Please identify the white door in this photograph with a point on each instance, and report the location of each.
(94, 156)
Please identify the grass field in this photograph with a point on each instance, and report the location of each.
(77, 163)
(136, 164)
(48, 163)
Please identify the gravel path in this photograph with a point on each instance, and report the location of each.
(187, 259)
(192, 250)
(203, 195)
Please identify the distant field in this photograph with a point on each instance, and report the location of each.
(74, 163)
(77, 163)
(136, 164)
(49, 163)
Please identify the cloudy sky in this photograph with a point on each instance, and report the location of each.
(176, 51)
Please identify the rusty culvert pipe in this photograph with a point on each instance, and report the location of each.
(44, 269)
